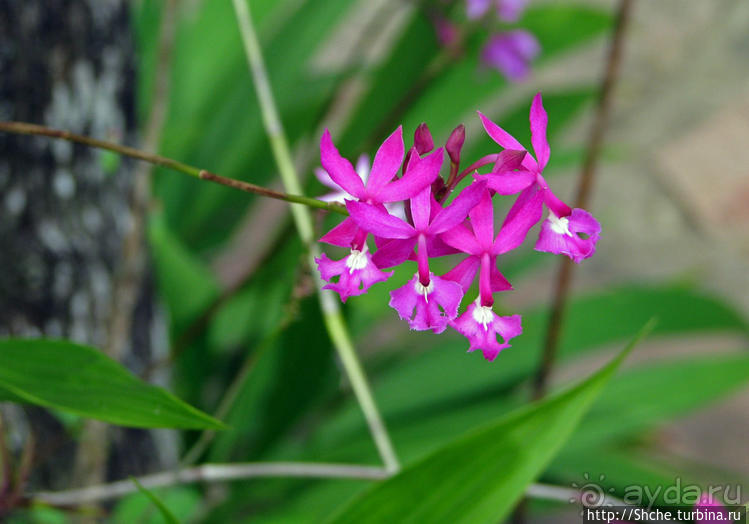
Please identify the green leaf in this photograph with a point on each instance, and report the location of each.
(165, 513)
(80, 379)
(290, 370)
(480, 477)
(451, 380)
(182, 502)
(657, 392)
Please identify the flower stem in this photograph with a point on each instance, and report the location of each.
(331, 311)
(24, 128)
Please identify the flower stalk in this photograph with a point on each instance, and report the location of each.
(331, 311)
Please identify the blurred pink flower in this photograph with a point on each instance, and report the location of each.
(511, 53)
(507, 10)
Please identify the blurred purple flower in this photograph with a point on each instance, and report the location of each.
(511, 53)
(507, 10)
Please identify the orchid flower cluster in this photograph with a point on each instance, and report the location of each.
(408, 218)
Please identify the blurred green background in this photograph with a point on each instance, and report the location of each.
(237, 295)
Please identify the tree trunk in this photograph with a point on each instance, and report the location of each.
(71, 255)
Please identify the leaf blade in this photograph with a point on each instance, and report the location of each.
(483, 474)
(82, 380)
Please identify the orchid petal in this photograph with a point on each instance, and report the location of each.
(421, 208)
(508, 183)
(339, 169)
(457, 211)
(324, 178)
(394, 252)
(356, 273)
(498, 281)
(387, 161)
(509, 160)
(378, 221)
(539, 120)
(553, 202)
(462, 239)
(482, 222)
(429, 307)
(464, 272)
(342, 234)
(526, 212)
(420, 174)
(561, 235)
(506, 140)
(483, 335)
(438, 248)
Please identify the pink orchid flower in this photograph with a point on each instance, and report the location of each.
(338, 194)
(572, 232)
(479, 323)
(356, 272)
(420, 300)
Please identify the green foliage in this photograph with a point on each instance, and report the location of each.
(290, 404)
(289, 372)
(165, 513)
(80, 379)
(179, 503)
(480, 477)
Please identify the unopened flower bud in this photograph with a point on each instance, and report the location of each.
(455, 143)
(423, 139)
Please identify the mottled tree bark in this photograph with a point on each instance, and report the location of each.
(65, 217)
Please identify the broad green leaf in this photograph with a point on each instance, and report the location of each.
(165, 513)
(624, 409)
(80, 379)
(480, 477)
(635, 475)
(446, 376)
(657, 392)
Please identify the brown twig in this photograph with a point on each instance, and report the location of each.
(585, 183)
(25, 128)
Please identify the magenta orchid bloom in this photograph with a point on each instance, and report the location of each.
(479, 323)
(338, 194)
(356, 273)
(561, 232)
(418, 302)
(432, 229)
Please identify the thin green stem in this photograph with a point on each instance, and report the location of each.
(331, 311)
(24, 128)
